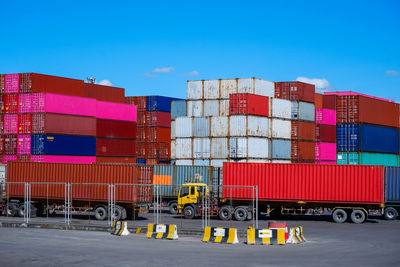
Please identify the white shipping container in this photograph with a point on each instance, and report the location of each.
(183, 162)
(194, 90)
(256, 86)
(247, 125)
(194, 108)
(219, 148)
(173, 125)
(211, 89)
(218, 162)
(281, 129)
(201, 148)
(280, 108)
(219, 126)
(280, 161)
(211, 108)
(173, 153)
(238, 147)
(183, 148)
(237, 125)
(228, 86)
(258, 160)
(250, 147)
(183, 127)
(201, 162)
(201, 127)
(224, 108)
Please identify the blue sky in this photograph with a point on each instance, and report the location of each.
(153, 47)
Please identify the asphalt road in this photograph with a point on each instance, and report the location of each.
(375, 243)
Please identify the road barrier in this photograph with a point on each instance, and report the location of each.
(265, 236)
(138, 230)
(162, 231)
(279, 225)
(220, 235)
(120, 228)
(296, 235)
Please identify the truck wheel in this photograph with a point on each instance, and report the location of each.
(124, 214)
(173, 208)
(339, 216)
(100, 213)
(21, 210)
(240, 214)
(188, 212)
(118, 213)
(10, 210)
(390, 213)
(225, 213)
(358, 216)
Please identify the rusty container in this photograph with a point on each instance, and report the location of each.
(302, 130)
(302, 150)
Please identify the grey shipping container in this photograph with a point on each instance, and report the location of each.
(392, 184)
(281, 149)
(178, 109)
(303, 111)
(201, 127)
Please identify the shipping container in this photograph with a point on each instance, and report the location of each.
(115, 129)
(224, 107)
(303, 111)
(219, 126)
(2, 84)
(67, 145)
(329, 102)
(211, 108)
(281, 129)
(159, 103)
(302, 182)
(330, 162)
(219, 148)
(80, 174)
(160, 151)
(115, 147)
(183, 148)
(125, 160)
(24, 103)
(318, 98)
(10, 144)
(302, 130)
(158, 119)
(63, 159)
(325, 151)
(249, 104)
(11, 103)
(140, 161)
(157, 134)
(246, 125)
(201, 127)
(2, 104)
(392, 185)
(201, 148)
(256, 86)
(48, 123)
(228, 87)
(138, 101)
(217, 163)
(362, 158)
(281, 149)
(8, 158)
(295, 90)
(302, 150)
(184, 162)
(194, 108)
(104, 93)
(141, 118)
(367, 138)
(249, 147)
(280, 108)
(10, 123)
(183, 127)
(325, 116)
(325, 133)
(211, 89)
(24, 123)
(178, 109)
(23, 144)
(194, 90)
(11, 83)
(115, 111)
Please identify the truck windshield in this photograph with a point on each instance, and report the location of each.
(184, 191)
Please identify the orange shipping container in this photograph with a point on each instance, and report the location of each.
(303, 150)
(302, 130)
(318, 100)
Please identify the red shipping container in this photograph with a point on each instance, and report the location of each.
(115, 147)
(141, 118)
(10, 123)
(10, 144)
(361, 109)
(248, 104)
(115, 160)
(295, 91)
(139, 101)
(81, 175)
(158, 119)
(24, 144)
(2, 150)
(24, 123)
(11, 103)
(306, 182)
(24, 158)
(325, 133)
(282, 90)
(301, 150)
(2, 104)
(143, 150)
(48, 123)
(104, 93)
(319, 101)
(158, 134)
(302, 130)
(329, 102)
(115, 129)
(159, 150)
(2, 83)
(141, 134)
(1, 124)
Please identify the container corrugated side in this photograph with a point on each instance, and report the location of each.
(159, 103)
(211, 89)
(228, 86)
(219, 126)
(194, 90)
(115, 147)
(201, 127)
(246, 125)
(281, 149)
(250, 147)
(303, 111)
(211, 108)
(183, 148)
(183, 127)
(178, 109)
(392, 185)
(56, 144)
(194, 108)
(48, 123)
(302, 182)
(219, 148)
(281, 129)
(280, 108)
(201, 148)
(359, 158)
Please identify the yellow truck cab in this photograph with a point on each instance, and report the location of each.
(190, 196)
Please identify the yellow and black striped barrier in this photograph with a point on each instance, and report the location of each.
(119, 228)
(162, 231)
(296, 235)
(220, 235)
(265, 236)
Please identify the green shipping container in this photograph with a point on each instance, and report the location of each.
(354, 158)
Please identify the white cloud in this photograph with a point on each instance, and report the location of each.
(192, 73)
(392, 73)
(105, 82)
(321, 85)
(164, 70)
(149, 75)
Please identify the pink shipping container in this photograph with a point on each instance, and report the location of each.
(62, 104)
(63, 159)
(328, 184)
(10, 123)
(9, 158)
(11, 83)
(23, 144)
(25, 103)
(325, 116)
(115, 111)
(325, 151)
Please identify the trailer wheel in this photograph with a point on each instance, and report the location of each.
(240, 214)
(225, 213)
(390, 213)
(173, 208)
(188, 212)
(124, 214)
(11, 210)
(21, 210)
(358, 216)
(339, 216)
(118, 213)
(100, 213)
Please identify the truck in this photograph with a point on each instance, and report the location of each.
(348, 192)
(81, 188)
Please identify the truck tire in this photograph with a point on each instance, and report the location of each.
(188, 212)
(390, 213)
(100, 213)
(241, 214)
(358, 216)
(173, 208)
(339, 216)
(118, 213)
(124, 214)
(21, 210)
(10, 210)
(225, 213)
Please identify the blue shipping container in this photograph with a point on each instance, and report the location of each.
(367, 138)
(392, 184)
(159, 103)
(55, 144)
(140, 161)
(178, 109)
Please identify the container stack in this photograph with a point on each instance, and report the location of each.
(367, 130)
(154, 128)
(46, 118)
(325, 126)
(302, 137)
